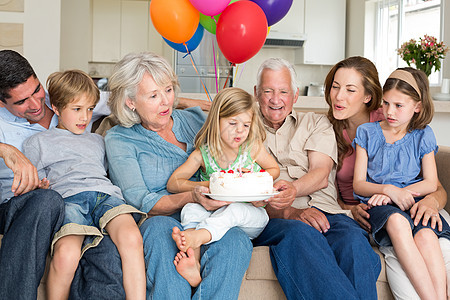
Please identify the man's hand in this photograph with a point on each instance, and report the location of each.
(361, 216)
(286, 196)
(312, 217)
(207, 203)
(25, 174)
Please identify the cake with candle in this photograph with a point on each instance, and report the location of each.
(240, 184)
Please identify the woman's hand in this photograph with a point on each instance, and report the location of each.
(207, 203)
(427, 209)
(361, 216)
(379, 200)
(404, 198)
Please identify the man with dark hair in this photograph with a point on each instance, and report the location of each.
(29, 216)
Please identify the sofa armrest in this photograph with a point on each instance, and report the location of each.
(443, 167)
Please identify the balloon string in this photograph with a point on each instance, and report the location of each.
(215, 67)
(234, 74)
(193, 64)
(228, 77)
(242, 70)
(215, 22)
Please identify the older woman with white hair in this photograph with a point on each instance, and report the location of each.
(150, 142)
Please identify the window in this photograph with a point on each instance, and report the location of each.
(398, 21)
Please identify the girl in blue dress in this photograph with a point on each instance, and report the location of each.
(395, 167)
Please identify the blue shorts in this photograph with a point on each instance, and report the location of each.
(86, 208)
(380, 214)
(88, 213)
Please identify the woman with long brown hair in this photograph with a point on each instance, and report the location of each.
(354, 94)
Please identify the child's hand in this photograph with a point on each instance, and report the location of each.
(44, 184)
(259, 203)
(379, 200)
(404, 198)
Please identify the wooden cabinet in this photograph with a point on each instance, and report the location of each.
(134, 29)
(106, 30)
(325, 33)
(292, 25)
(120, 27)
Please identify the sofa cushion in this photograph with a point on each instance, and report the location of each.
(442, 164)
(260, 265)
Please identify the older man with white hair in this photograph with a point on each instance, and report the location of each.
(317, 250)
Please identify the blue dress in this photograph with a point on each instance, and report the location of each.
(398, 164)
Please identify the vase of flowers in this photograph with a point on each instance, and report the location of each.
(425, 54)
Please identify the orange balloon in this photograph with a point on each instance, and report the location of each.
(176, 20)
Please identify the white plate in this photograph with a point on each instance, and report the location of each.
(441, 97)
(244, 198)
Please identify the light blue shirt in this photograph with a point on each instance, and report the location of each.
(14, 131)
(141, 162)
(400, 163)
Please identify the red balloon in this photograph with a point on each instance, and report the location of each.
(241, 31)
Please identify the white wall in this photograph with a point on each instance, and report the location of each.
(41, 35)
(50, 38)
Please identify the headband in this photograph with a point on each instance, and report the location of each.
(406, 77)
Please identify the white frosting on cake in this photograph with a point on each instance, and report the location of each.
(236, 184)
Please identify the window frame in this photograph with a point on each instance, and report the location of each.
(375, 37)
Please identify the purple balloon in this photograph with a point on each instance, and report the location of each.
(274, 10)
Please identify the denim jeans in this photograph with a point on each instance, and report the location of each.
(99, 274)
(354, 254)
(310, 265)
(223, 263)
(28, 223)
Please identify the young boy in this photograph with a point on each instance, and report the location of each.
(73, 161)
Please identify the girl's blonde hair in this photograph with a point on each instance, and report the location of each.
(424, 117)
(65, 87)
(127, 76)
(371, 86)
(230, 102)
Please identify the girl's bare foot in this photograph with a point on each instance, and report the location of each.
(179, 238)
(188, 267)
(190, 238)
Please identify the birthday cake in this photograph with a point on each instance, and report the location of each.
(240, 184)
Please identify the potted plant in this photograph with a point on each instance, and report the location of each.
(425, 54)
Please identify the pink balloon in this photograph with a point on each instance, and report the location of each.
(210, 7)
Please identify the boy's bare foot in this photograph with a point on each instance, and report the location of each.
(190, 238)
(188, 267)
